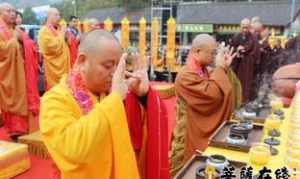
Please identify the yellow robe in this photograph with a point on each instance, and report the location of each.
(92, 146)
(55, 53)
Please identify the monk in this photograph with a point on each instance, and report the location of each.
(13, 100)
(30, 54)
(73, 38)
(54, 49)
(203, 100)
(93, 24)
(244, 64)
(88, 130)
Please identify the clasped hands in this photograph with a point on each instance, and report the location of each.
(137, 81)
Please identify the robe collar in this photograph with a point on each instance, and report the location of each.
(52, 28)
(191, 62)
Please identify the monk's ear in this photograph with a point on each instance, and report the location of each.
(81, 59)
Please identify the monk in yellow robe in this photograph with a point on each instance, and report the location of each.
(83, 118)
(54, 49)
(13, 100)
(203, 100)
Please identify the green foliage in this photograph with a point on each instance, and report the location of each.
(29, 17)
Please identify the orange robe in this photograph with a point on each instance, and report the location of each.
(208, 103)
(31, 72)
(55, 53)
(13, 101)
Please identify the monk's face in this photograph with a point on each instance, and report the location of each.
(54, 16)
(8, 15)
(93, 26)
(207, 53)
(99, 68)
(245, 28)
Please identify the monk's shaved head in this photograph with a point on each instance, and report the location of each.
(4, 6)
(202, 40)
(94, 41)
(8, 13)
(246, 21)
(203, 49)
(52, 11)
(99, 53)
(53, 16)
(245, 26)
(93, 24)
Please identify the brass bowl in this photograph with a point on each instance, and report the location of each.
(217, 161)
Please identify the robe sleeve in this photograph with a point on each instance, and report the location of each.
(50, 44)
(74, 139)
(197, 91)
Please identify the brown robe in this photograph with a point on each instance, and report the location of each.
(209, 103)
(244, 66)
(12, 75)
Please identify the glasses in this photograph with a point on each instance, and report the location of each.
(212, 52)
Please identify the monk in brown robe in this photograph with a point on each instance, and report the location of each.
(243, 66)
(13, 102)
(204, 100)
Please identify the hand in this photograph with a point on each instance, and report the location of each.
(225, 56)
(119, 83)
(138, 79)
(241, 48)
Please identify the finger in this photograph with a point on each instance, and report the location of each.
(231, 50)
(121, 68)
(233, 56)
(141, 64)
(129, 81)
(128, 74)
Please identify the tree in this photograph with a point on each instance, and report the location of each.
(29, 17)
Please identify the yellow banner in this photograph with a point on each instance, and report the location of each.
(142, 37)
(154, 40)
(125, 33)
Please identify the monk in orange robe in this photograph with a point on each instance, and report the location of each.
(13, 101)
(54, 49)
(30, 54)
(86, 126)
(203, 100)
(73, 37)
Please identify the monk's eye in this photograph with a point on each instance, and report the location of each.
(108, 65)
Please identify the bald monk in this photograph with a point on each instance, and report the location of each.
(203, 100)
(13, 101)
(30, 54)
(54, 49)
(87, 129)
(245, 44)
(93, 24)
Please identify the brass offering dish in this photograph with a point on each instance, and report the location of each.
(242, 129)
(217, 161)
(236, 139)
